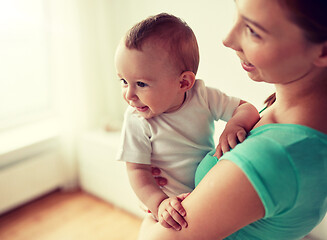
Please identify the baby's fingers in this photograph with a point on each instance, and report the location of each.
(182, 196)
(232, 142)
(176, 204)
(168, 217)
(178, 218)
(224, 145)
(218, 152)
(163, 221)
(241, 135)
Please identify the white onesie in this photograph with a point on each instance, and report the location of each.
(176, 142)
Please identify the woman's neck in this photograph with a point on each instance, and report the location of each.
(303, 103)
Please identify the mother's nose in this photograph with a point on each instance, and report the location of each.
(232, 40)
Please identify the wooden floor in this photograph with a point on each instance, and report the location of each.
(68, 216)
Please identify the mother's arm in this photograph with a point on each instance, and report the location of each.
(222, 203)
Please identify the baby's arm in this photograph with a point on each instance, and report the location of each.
(145, 186)
(243, 120)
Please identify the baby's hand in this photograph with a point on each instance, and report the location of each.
(171, 212)
(231, 136)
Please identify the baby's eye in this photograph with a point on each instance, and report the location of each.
(123, 81)
(141, 84)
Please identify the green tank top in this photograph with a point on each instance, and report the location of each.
(287, 165)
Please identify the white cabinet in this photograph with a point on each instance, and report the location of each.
(28, 173)
(101, 174)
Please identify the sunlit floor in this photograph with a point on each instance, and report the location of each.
(68, 216)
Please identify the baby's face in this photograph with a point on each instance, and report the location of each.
(149, 84)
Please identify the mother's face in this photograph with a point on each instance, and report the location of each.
(271, 47)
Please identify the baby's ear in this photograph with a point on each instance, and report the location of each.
(187, 80)
(321, 60)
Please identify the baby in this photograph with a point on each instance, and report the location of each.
(169, 123)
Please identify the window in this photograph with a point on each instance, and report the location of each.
(26, 96)
(25, 86)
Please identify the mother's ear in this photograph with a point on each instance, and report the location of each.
(187, 80)
(321, 60)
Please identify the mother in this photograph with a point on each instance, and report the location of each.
(274, 184)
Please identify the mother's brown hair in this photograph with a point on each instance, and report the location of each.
(311, 17)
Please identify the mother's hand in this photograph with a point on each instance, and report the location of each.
(161, 181)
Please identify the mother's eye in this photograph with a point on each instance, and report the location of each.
(252, 32)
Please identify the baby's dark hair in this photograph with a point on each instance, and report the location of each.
(172, 34)
(311, 17)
